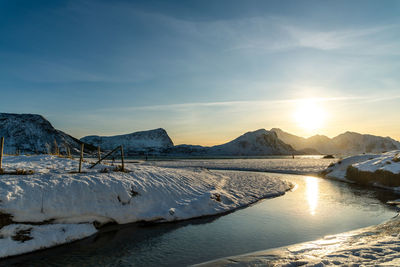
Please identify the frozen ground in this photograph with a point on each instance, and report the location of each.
(281, 165)
(54, 193)
(372, 246)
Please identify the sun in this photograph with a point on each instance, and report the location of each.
(309, 115)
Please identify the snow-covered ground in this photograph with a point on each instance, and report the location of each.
(55, 193)
(22, 238)
(299, 165)
(372, 246)
(338, 169)
(389, 161)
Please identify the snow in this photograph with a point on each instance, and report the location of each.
(42, 236)
(299, 165)
(371, 246)
(382, 162)
(145, 193)
(367, 163)
(338, 170)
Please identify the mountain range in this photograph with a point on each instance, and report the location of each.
(30, 133)
(348, 143)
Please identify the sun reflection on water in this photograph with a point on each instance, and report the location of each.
(312, 191)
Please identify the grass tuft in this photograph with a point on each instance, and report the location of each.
(22, 235)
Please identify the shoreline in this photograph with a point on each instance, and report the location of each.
(356, 246)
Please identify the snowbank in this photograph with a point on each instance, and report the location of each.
(22, 238)
(381, 170)
(338, 170)
(389, 161)
(371, 246)
(146, 193)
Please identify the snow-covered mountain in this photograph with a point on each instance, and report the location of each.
(257, 143)
(31, 133)
(348, 143)
(357, 143)
(152, 141)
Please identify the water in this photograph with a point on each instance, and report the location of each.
(299, 165)
(315, 208)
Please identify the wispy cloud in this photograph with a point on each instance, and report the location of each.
(193, 105)
(361, 38)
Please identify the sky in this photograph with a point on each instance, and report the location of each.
(206, 71)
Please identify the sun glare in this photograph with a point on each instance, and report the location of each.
(309, 115)
(312, 192)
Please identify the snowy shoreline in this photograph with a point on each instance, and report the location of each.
(55, 205)
(379, 244)
(378, 170)
(154, 194)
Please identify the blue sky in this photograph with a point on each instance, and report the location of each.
(206, 71)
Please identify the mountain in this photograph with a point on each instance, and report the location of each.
(348, 143)
(152, 141)
(257, 143)
(363, 143)
(31, 133)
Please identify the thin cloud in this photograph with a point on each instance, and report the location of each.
(192, 105)
(364, 39)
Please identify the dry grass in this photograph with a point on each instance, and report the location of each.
(22, 235)
(17, 172)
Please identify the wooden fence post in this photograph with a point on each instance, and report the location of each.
(56, 149)
(81, 158)
(68, 151)
(122, 158)
(98, 152)
(1, 151)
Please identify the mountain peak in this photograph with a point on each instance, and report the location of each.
(155, 140)
(256, 143)
(259, 131)
(32, 133)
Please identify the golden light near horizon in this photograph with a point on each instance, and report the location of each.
(309, 115)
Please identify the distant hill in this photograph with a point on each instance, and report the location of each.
(153, 141)
(31, 133)
(256, 143)
(348, 143)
